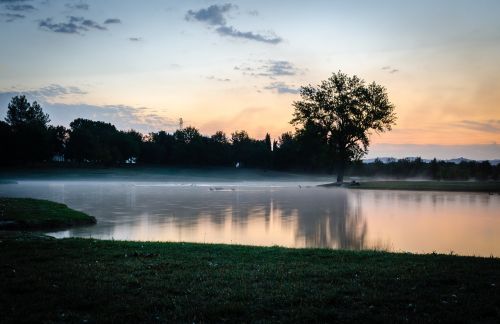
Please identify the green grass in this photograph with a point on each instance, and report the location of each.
(470, 186)
(75, 280)
(85, 281)
(26, 213)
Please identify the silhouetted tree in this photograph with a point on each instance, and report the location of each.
(28, 125)
(100, 142)
(58, 137)
(346, 109)
(6, 143)
(20, 112)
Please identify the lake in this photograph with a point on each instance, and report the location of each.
(292, 214)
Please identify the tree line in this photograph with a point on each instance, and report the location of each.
(27, 138)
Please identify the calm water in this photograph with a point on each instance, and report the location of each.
(278, 213)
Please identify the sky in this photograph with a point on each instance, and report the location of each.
(239, 64)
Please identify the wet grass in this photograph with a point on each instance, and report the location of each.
(27, 213)
(465, 186)
(84, 280)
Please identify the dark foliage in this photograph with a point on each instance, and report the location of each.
(342, 111)
(26, 138)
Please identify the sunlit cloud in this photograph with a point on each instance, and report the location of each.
(492, 126)
(45, 93)
(211, 77)
(270, 68)
(282, 88)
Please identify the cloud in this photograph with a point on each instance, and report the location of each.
(13, 1)
(270, 68)
(489, 126)
(46, 93)
(389, 69)
(123, 117)
(230, 31)
(211, 77)
(112, 21)
(12, 17)
(282, 88)
(214, 16)
(19, 7)
(74, 25)
(77, 6)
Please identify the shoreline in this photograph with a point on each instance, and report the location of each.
(421, 185)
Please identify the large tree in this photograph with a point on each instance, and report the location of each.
(347, 110)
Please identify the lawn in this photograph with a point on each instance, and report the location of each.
(45, 280)
(466, 186)
(27, 213)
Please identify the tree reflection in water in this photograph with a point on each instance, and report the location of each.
(291, 216)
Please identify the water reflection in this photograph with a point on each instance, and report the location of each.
(465, 223)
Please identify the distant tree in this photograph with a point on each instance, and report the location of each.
(58, 136)
(6, 139)
(267, 140)
(347, 110)
(239, 137)
(286, 152)
(30, 136)
(188, 147)
(20, 112)
(99, 142)
(314, 154)
(157, 148)
(187, 135)
(220, 137)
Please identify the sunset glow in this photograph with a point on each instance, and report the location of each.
(231, 66)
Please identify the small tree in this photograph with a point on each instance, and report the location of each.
(347, 110)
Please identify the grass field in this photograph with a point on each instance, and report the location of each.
(84, 280)
(470, 186)
(26, 213)
(44, 280)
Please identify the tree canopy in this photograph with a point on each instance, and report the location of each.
(28, 140)
(20, 112)
(344, 111)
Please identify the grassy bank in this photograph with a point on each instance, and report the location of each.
(466, 186)
(83, 280)
(26, 213)
(87, 281)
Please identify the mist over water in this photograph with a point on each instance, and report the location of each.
(273, 211)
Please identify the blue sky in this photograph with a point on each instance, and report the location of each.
(238, 65)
